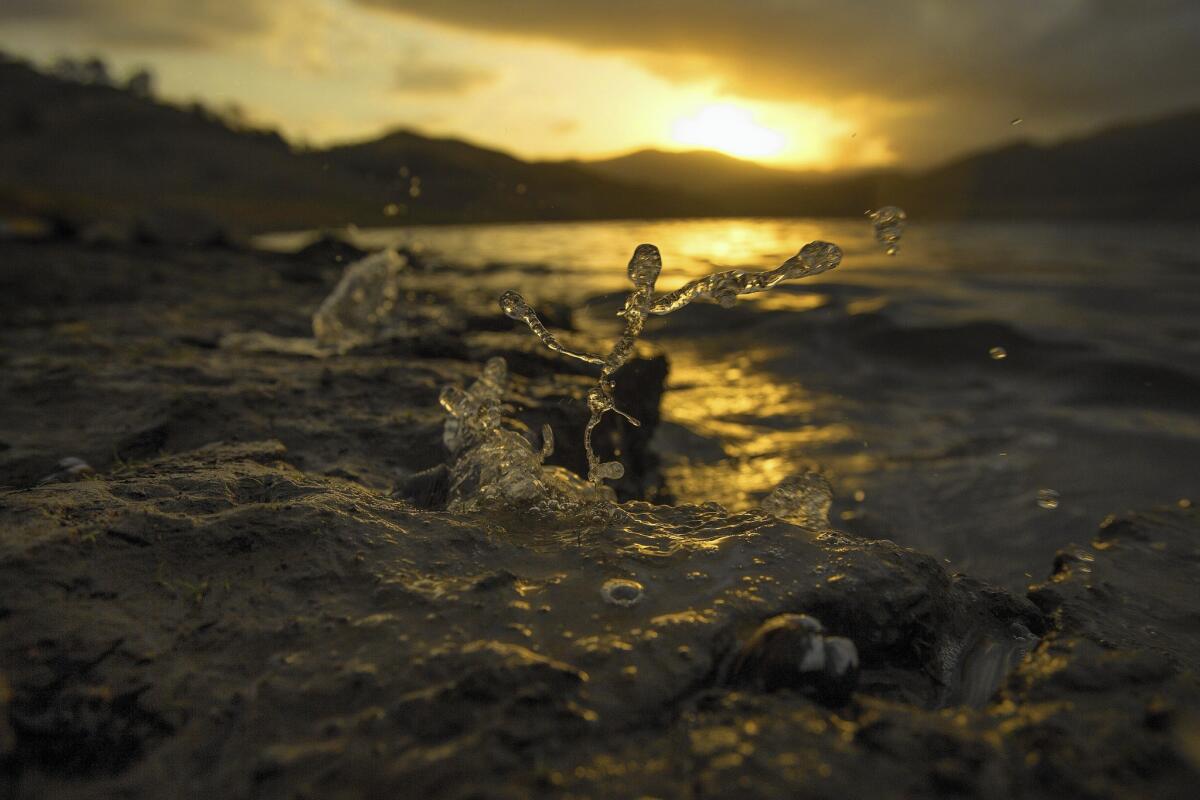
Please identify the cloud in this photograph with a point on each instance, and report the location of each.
(419, 75)
(563, 127)
(156, 23)
(936, 70)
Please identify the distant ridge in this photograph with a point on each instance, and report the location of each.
(83, 152)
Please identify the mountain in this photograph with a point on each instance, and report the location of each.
(1144, 170)
(702, 171)
(455, 181)
(85, 152)
(82, 152)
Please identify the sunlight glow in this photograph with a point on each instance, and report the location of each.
(729, 129)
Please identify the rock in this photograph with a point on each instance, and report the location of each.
(1135, 587)
(180, 227)
(791, 651)
(329, 249)
(69, 469)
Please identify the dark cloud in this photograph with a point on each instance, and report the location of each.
(417, 75)
(944, 71)
(160, 23)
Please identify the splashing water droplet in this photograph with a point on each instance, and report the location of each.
(802, 499)
(494, 465)
(365, 304)
(610, 471)
(889, 224)
(643, 271)
(622, 592)
(998, 353)
(1047, 498)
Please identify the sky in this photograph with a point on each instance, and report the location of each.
(791, 83)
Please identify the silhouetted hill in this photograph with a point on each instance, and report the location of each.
(456, 181)
(705, 171)
(93, 152)
(89, 152)
(1143, 170)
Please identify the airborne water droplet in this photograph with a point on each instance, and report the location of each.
(643, 271)
(998, 353)
(889, 224)
(1047, 498)
(803, 499)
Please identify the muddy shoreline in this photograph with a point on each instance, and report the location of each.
(253, 596)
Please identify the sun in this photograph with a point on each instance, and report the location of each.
(729, 129)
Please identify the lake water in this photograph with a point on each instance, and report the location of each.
(989, 394)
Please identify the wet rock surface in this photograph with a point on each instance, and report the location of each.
(240, 604)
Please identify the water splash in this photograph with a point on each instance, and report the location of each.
(514, 307)
(362, 307)
(724, 287)
(492, 465)
(643, 271)
(889, 224)
(803, 500)
(1047, 499)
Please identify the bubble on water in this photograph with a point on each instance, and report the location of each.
(622, 592)
(998, 353)
(889, 224)
(1047, 498)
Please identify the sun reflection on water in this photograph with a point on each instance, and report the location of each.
(766, 427)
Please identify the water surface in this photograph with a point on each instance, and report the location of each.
(944, 390)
